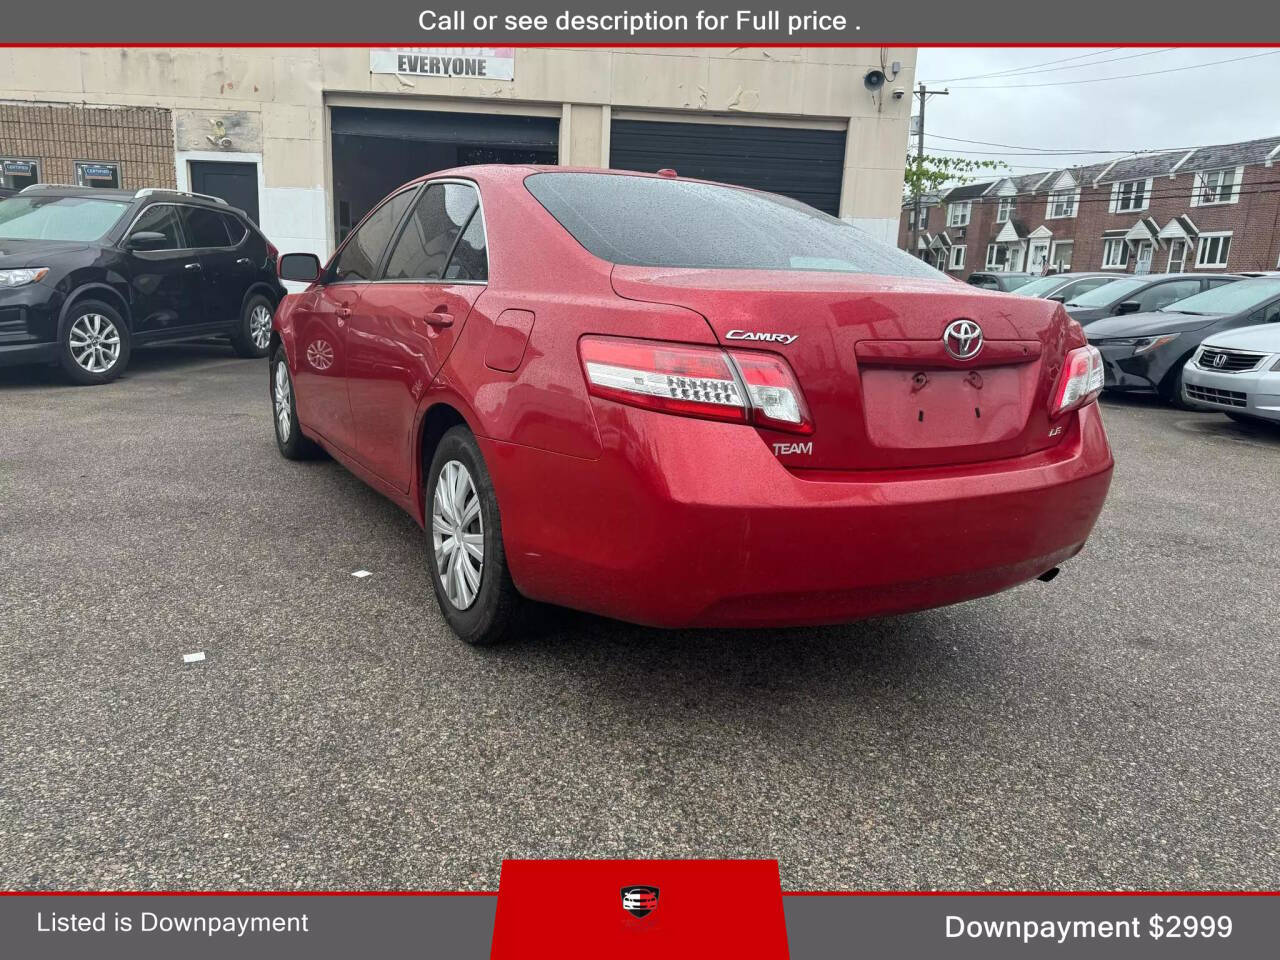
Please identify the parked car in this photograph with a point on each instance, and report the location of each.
(1139, 294)
(87, 274)
(1149, 351)
(1004, 282)
(1063, 286)
(1238, 372)
(681, 403)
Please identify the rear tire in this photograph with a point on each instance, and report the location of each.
(251, 337)
(290, 440)
(476, 594)
(94, 344)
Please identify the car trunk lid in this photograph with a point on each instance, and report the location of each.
(868, 352)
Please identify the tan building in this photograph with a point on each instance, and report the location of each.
(308, 139)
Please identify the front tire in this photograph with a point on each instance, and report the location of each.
(1171, 390)
(252, 335)
(95, 345)
(466, 558)
(290, 440)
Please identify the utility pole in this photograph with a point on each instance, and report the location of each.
(923, 93)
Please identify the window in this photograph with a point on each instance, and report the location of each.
(1213, 250)
(235, 228)
(423, 248)
(1115, 254)
(93, 174)
(1238, 297)
(1162, 294)
(1061, 255)
(1216, 186)
(997, 254)
(1004, 210)
(1062, 203)
(161, 218)
(1080, 287)
(1130, 195)
(363, 250)
(653, 221)
(470, 259)
(986, 283)
(958, 214)
(1107, 294)
(16, 174)
(956, 261)
(204, 227)
(79, 219)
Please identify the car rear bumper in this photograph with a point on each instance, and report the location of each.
(692, 523)
(1255, 393)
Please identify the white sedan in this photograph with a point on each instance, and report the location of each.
(1237, 373)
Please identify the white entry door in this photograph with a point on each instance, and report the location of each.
(1037, 256)
(1144, 257)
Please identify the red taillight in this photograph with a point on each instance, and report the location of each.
(272, 252)
(695, 381)
(1081, 380)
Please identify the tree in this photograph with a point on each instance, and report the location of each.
(926, 174)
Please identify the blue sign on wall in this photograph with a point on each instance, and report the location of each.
(17, 168)
(97, 171)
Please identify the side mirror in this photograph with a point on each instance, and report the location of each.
(301, 267)
(147, 240)
(1128, 306)
(1058, 298)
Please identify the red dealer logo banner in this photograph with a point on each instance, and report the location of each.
(571, 908)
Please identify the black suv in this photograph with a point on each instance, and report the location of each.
(86, 274)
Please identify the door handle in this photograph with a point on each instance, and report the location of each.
(343, 312)
(193, 267)
(440, 317)
(244, 262)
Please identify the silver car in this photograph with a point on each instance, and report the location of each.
(1237, 373)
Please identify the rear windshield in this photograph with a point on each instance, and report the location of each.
(1013, 283)
(1040, 286)
(58, 218)
(1107, 293)
(656, 222)
(1234, 297)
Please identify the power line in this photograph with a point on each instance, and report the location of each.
(1079, 66)
(1012, 146)
(997, 73)
(1127, 76)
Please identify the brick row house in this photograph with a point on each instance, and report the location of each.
(1207, 209)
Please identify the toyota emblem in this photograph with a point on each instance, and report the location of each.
(963, 339)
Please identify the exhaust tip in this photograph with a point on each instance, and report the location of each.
(1048, 575)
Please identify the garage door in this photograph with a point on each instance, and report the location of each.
(804, 164)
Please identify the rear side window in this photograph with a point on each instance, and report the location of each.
(363, 250)
(470, 257)
(657, 222)
(235, 228)
(205, 228)
(161, 218)
(441, 214)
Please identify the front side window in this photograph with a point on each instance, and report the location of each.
(360, 255)
(205, 228)
(94, 174)
(80, 219)
(1215, 186)
(424, 246)
(1115, 254)
(1062, 203)
(958, 214)
(1107, 294)
(161, 218)
(657, 222)
(1163, 294)
(1213, 250)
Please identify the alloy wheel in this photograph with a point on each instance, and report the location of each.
(260, 326)
(457, 534)
(283, 395)
(94, 342)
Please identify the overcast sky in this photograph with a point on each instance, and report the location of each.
(1217, 103)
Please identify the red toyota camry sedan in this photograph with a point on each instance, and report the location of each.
(682, 403)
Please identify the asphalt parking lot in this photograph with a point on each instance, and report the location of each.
(1118, 728)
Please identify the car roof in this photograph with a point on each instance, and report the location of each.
(108, 193)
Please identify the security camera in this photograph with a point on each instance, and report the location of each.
(898, 93)
(874, 80)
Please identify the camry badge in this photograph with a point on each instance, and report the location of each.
(963, 339)
(639, 901)
(767, 337)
